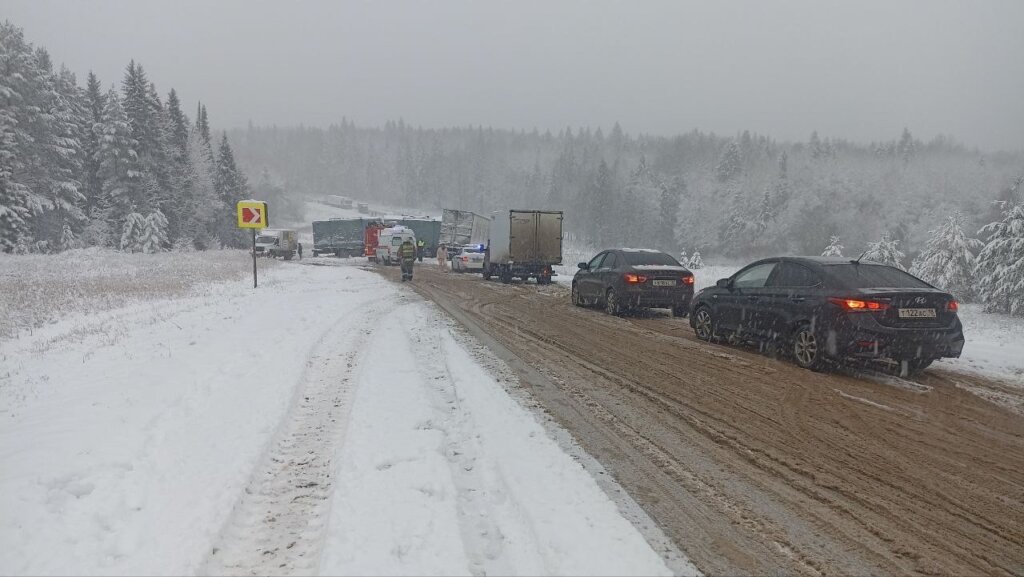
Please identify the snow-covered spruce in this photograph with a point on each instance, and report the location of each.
(1000, 266)
(695, 261)
(885, 251)
(833, 248)
(948, 260)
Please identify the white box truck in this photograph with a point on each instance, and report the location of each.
(524, 244)
(277, 242)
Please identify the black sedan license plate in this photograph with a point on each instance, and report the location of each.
(664, 283)
(917, 313)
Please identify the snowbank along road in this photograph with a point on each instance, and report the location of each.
(328, 422)
(754, 466)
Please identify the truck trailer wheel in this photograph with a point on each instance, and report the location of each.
(506, 275)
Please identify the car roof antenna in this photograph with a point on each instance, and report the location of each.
(859, 257)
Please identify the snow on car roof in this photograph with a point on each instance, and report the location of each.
(639, 250)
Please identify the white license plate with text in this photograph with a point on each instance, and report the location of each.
(664, 283)
(917, 313)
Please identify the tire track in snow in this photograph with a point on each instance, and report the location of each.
(478, 486)
(277, 527)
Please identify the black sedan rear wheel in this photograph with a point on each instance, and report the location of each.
(576, 300)
(808, 350)
(611, 303)
(704, 324)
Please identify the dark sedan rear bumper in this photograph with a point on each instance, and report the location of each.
(870, 340)
(642, 297)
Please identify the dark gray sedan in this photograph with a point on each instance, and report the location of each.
(626, 279)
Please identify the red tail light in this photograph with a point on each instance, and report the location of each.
(687, 280)
(953, 306)
(856, 306)
(634, 278)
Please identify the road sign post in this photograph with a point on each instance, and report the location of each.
(253, 214)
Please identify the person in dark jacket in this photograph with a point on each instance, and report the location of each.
(407, 256)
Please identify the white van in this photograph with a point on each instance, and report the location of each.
(277, 242)
(389, 241)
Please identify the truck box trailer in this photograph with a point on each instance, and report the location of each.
(339, 236)
(524, 244)
(426, 229)
(460, 227)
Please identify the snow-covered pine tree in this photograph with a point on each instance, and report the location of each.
(132, 231)
(695, 261)
(833, 248)
(231, 187)
(154, 234)
(671, 194)
(1000, 264)
(15, 197)
(205, 207)
(92, 184)
(948, 260)
(61, 154)
(730, 164)
(885, 251)
(684, 259)
(119, 170)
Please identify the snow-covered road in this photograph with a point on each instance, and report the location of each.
(327, 422)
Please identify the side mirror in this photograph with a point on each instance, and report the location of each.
(583, 266)
(722, 283)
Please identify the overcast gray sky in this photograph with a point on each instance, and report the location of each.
(859, 69)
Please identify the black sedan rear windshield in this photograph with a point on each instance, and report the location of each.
(856, 276)
(643, 258)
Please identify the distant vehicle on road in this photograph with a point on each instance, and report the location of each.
(822, 309)
(628, 278)
(524, 244)
(275, 242)
(339, 236)
(462, 227)
(388, 242)
(338, 201)
(363, 208)
(426, 229)
(468, 258)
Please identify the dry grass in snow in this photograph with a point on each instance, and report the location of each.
(38, 289)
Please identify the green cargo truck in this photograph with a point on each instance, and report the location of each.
(340, 237)
(426, 229)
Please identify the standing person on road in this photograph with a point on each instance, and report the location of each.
(300, 251)
(442, 255)
(420, 247)
(407, 256)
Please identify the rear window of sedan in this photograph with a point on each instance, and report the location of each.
(649, 258)
(857, 276)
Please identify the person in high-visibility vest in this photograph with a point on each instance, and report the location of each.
(407, 256)
(420, 247)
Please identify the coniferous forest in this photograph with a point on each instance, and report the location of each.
(122, 165)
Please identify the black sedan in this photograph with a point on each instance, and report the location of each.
(627, 278)
(828, 309)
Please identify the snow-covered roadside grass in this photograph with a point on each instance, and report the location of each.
(145, 439)
(124, 454)
(994, 345)
(38, 289)
(444, 473)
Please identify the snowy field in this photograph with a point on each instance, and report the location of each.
(328, 422)
(38, 289)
